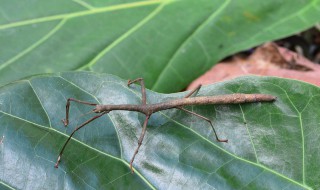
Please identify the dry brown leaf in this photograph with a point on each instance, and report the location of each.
(267, 60)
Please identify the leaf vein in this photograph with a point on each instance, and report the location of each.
(123, 37)
(200, 27)
(301, 129)
(82, 13)
(84, 4)
(250, 136)
(33, 46)
(45, 111)
(269, 28)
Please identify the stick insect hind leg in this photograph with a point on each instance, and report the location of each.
(144, 128)
(200, 116)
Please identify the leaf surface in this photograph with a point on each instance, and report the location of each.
(167, 42)
(271, 145)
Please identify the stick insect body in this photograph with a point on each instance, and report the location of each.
(149, 109)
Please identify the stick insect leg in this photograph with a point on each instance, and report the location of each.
(143, 89)
(193, 91)
(139, 141)
(76, 129)
(66, 120)
(208, 120)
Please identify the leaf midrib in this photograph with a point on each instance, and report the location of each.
(121, 38)
(269, 28)
(84, 13)
(6, 185)
(200, 27)
(33, 46)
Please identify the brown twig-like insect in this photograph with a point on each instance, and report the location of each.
(149, 109)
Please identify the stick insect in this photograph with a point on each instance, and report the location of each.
(149, 109)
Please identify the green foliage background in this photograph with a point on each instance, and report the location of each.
(169, 43)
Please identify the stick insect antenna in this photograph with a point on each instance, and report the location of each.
(196, 90)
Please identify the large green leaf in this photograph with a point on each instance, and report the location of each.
(168, 42)
(271, 145)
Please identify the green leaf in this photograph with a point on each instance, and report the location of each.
(271, 145)
(168, 42)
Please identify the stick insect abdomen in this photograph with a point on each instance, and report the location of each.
(220, 99)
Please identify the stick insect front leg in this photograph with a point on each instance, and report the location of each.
(139, 141)
(200, 116)
(66, 120)
(74, 131)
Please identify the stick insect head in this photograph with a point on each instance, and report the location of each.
(102, 108)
